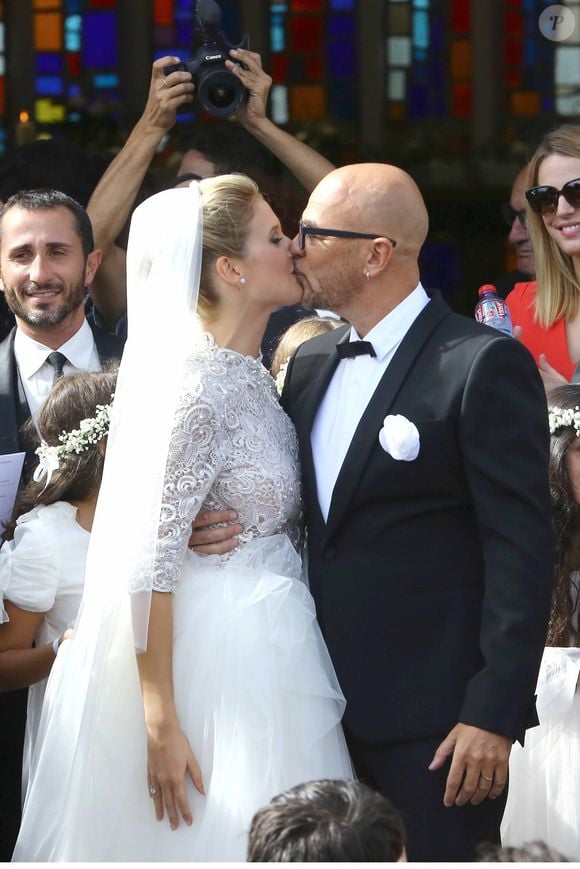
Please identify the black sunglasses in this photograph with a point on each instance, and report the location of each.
(304, 230)
(544, 199)
(509, 214)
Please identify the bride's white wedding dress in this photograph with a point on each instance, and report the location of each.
(255, 689)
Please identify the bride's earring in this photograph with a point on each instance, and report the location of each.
(368, 276)
(242, 280)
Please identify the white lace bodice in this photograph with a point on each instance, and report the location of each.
(232, 446)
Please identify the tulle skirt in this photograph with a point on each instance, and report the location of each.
(544, 788)
(256, 695)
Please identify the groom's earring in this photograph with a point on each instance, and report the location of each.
(368, 276)
(242, 280)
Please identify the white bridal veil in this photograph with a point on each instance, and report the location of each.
(94, 680)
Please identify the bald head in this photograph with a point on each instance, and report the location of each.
(377, 197)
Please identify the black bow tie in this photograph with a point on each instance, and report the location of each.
(348, 349)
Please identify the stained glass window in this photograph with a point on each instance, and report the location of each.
(76, 61)
(313, 60)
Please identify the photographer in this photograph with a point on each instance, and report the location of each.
(113, 198)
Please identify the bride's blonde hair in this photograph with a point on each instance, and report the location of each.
(228, 203)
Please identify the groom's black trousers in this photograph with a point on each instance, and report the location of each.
(434, 832)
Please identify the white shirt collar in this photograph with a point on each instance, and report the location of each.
(31, 355)
(391, 330)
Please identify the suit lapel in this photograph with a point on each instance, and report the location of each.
(9, 442)
(366, 436)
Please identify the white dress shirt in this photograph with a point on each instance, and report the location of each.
(350, 390)
(37, 374)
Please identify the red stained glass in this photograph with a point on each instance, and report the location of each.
(514, 23)
(307, 102)
(103, 4)
(461, 101)
(526, 103)
(513, 79)
(307, 5)
(279, 69)
(514, 53)
(163, 12)
(305, 34)
(460, 16)
(314, 68)
(73, 62)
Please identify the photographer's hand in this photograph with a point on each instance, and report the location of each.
(257, 83)
(166, 95)
(304, 162)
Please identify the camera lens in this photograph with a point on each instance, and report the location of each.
(220, 93)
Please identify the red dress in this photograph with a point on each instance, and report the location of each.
(551, 342)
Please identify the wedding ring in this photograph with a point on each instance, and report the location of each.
(153, 791)
(165, 82)
(486, 777)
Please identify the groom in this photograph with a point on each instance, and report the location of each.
(424, 456)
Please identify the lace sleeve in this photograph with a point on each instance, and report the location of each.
(192, 466)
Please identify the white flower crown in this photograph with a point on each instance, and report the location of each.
(564, 418)
(90, 431)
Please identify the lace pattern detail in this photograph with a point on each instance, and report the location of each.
(232, 446)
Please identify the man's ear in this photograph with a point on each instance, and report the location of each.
(92, 264)
(228, 270)
(380, 256)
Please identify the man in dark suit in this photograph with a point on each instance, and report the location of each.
(46, 263)
(425, 481)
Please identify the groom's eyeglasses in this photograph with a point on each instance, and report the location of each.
(305, 229)
(544, 199)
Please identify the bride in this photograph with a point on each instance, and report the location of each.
(231, 698)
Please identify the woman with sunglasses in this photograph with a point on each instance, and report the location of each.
(547, 311)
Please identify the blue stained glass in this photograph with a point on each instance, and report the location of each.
(47, 63)
(421, 4)
(49, 85)
(186, 117)
(74, 90)
(420, 55)
(75, 117)
(343, 102)
(180, 52)
(230, 24)
(547, 105)
(100, 39)
(437, 36)
(277, 38)
(296, 68)
(342, 26)
(73, 6)
(420, 73)
(183, 32)
(106, 80)
(418, 102)
(530, 52)
(72, 32)
(185, 5)
(342, 59)
(342, 5)
(421, 29)
(279, 7)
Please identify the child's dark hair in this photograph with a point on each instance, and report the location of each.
(72, 399)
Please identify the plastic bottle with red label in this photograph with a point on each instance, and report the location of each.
(491, 310)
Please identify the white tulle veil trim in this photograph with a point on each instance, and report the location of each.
(163, 272)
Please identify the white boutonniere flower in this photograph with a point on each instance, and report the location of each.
(281, 376)
(399, 437)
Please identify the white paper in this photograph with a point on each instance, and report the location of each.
(10, 471)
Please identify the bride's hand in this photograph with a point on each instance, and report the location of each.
(169, 759)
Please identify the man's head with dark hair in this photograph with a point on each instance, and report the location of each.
(327, 821)
(46, 199)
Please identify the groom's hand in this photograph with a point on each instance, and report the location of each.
(206, 539)
(479, 764)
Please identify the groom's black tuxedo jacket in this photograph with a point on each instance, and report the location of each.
(13, 407)
(432, 577)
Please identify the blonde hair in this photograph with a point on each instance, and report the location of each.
(297, 334)
(558, 287)
(228, 203)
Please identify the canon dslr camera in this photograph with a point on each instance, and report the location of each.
(218, 90)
